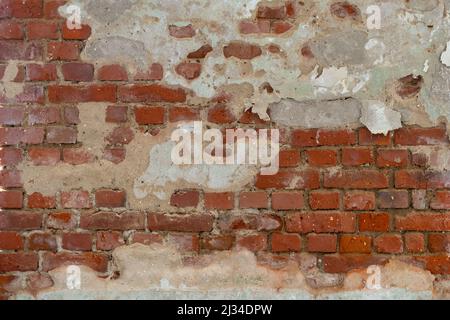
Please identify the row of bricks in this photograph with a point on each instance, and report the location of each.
(285, 200)
(295, 222)
(279, 242)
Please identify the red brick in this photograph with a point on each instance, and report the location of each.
(218, 242)
(77, 156)
(10, 30)
(10, 241)
(15, 135)
(286, 242)
(189, 70)
(359, 200)
(61, 220)
(20, 220)
(305, 138)
(38, 241)
(241, 50)
(344, 10)
(76, 200)
(61, 135)
(19, 50)
(37, 72)
(411, 179)
(320, 222)
(182, 223)
(31, 93)
(414, 136)
(361, 179)
(183, 114)
(366, 138)
(374, 222)
(271, 12)
(323, 200)
(151, 93)
(289, 158)
(78, 71)
(10, 179)
(41, 156)
(287, 200)
(252, 243)
(389, 243)
(38, 201)
(248, 222)
(66, 51)
(409, 86)
(279, 27)
(10, 156)
(182, 32)
(220, 114)
(109, 240)
(423, 222)
(26, 8)
(112, 221)
(147, 238)
(201, 52)
(116, 114)
(184, 199)
(355, 244)
(51, 8)
(356, 156)
(392, 158)
(37, 30)
(155, 72)
(149, 115)
(110, 198)
(419, 159)
(120, 135)
(346, 263)
(44, 115)
(184, 242)
(77, 241)
(254, 200)
(437, 264)
(322, 157)
(113, 72)
(254, 27)
(326, 243)
(439, 242)
(306, 179)
(219, 200)
(115, 155)
(415, 242)
(11, 116)
(393, 199)
(72, 94)
(76, 34)
(96, 261)
(441, 200)
(20, 261)
(336, 137)
(71, 115)
(11, 199)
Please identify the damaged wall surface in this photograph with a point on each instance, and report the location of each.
(359, 90)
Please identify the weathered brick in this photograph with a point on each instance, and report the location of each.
(10, 240)
(37, 30)
(423, 222)
(77, 241)
(393, 199)
(306, 179)
(11, 30)
(413, 136)
(441, 200)
(76, 200)
(44, 115)
(439, 242)
(189, 223)
(361, 179)
(346, 263)
(389, 243)
(182, 32)
(19, 261)
(11, 116)
(79, 72)
(150, 93)
(10, 179)
(42, 241)
(287, 200)
(324, 200)
(76, 94)
(252, 243)
(110, 198)
(109, 240)
(189, 70)
(392, 158)
(355, 244)
(20, 220)
(219, 200)
(149, 115)
(183, 114)
(320, 222)
(37, 200)
(41, 156)
(241, 50)
(359, 200)
(321, 157)
(82, 33)
(11, 199)
(414, 242)
(326, 243)
(281, 242)
(374, 222)
(112, 221)
(96, 261)
(356, 156)
(65, 51)
(113, 72)
(10, 156)
(255, 200)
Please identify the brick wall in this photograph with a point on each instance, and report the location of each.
(347, 196)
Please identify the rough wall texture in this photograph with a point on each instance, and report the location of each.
(87, 178)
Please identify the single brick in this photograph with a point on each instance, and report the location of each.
(42, 241)
(324, 200)
(219, 200)
(184, 199)
(393, 199)
(414, 136)
(415, 242)
(254, 200)
(77, 241)
(356, 156)
(355, 244)
(37, 200)
(282, 242)
(11, 199)
(360, 179)
(110, 198)
(252, 243)
(289, 158)
(392, 158)
(321, 157)
(149, 115)
(61, 135)
(359, 200)
(287, 200)
(326, 243)
(109, 240)
(112, 72)
(116, 114)
(389, 243)
(374, 222)
(80, 72)
(441, 200)
(320, 222)
(76, 200)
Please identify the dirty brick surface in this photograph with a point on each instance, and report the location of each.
(359, 90)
